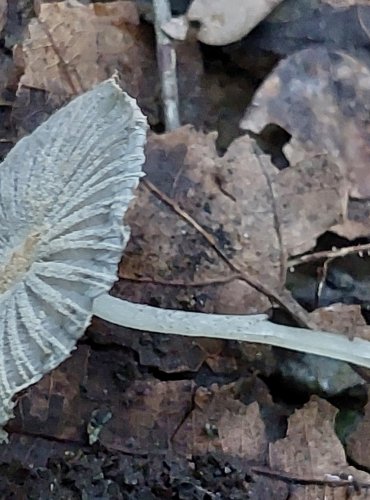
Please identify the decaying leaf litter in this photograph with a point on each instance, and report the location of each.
(135, 378)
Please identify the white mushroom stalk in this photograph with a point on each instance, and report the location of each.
(245, 328)
(63, 194)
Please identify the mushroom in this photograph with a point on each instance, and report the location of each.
(63, 194)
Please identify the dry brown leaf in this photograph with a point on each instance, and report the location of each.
(53, 407)
(168, 353)
(308, 196)
(154, 410)
(311, 448)
(226, 21)
(243, 202)
(142, 414)
(320, 97)
(342, 318)
(314, 492)
(265, 487)
(221, 423)
(358, 442)
(33, 450)
(72, 46)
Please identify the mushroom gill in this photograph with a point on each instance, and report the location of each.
(63, 194)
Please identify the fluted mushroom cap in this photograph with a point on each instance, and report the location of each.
(63, 194)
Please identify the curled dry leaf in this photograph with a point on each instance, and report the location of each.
(321, 98)
(61, 229)
(226, 21)
(255, 214)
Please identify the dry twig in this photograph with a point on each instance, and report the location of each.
(166, 57)
(330, 254)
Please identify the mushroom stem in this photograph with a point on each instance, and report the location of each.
(249, 328)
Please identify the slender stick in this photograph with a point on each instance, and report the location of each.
(331, 254)
(166, 57)
(253, 328)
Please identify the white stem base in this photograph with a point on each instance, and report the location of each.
(249, 328)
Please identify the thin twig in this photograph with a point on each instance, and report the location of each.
(196, 284)
(321, 283)
(176, 208)
(330, 254)
(277, 216)
(283, 299)
(330, 480)
(166, 57)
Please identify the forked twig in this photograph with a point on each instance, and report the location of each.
(330, 254)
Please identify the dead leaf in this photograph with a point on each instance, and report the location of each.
(358, 444)
(308, 195)
(93, 384)
(168, 353)
(357, 222)
(153, 412)
(178, 354)
(34, 451)
(320, 97)
(72, 46)
(244, 203)
(52, 408)
(314, 492)
(224, 21)
(311, 448)
(221, 423)
(264, 487)
(342, 318)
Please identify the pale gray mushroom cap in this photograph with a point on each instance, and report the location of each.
(63, 193)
